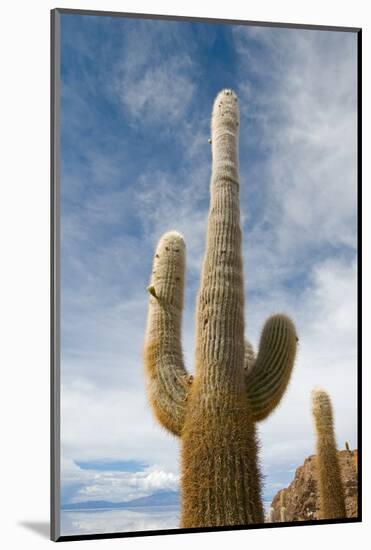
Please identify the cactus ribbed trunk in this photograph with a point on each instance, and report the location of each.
(220, 477)
(216, 412)
(220, 305)
(331, 492)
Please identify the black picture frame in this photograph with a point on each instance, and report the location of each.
(55, 270)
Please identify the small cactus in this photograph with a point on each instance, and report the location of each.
(331, 492)
(215, 413)
(283, 516)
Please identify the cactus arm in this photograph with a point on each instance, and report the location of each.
(331, 491)
(268, 376)
(167, 380)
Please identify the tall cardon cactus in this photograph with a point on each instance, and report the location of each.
(215, 412)
(331, 492)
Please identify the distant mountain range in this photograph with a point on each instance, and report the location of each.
(162, 498)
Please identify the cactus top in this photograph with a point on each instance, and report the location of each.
(322, 409)
(225, 120)
(167, 280)
(225, 112)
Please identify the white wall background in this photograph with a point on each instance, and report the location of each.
(24, 254)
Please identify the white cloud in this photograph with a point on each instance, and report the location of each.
(114, 422)
(159, 92)
(115, 486)
(165, 205)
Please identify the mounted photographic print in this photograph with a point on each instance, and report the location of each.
(205, 305)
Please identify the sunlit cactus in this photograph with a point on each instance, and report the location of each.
(331, 492)
(215, 413)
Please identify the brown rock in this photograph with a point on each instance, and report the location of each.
(301, 498)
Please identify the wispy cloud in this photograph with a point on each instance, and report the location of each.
(154, 77)
(115, 486)
(299, 99)
(157, 94)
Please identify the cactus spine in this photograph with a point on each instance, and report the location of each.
(215, 413)
(331, 492)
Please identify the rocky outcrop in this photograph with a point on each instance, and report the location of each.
(301, 499)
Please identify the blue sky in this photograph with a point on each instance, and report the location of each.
(136, 98)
